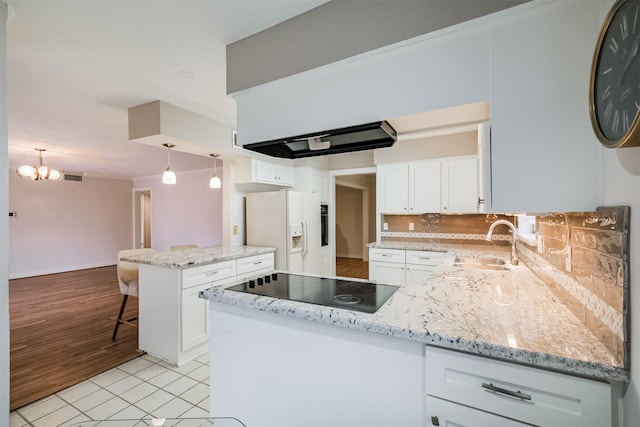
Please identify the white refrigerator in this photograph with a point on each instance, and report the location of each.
(290, 222)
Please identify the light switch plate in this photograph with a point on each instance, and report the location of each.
(411, 226)
(385, 226)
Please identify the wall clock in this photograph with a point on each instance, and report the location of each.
(615, 77)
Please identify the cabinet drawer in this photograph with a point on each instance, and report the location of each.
(425, 257)
(386, 255)
(545, 398)
(448, 414)
(253, 263)
(208, 273)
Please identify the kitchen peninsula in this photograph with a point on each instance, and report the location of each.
(173, 322)
(276, 362)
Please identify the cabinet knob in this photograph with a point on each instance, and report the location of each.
(435, 421)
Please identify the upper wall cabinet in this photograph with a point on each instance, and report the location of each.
(312, 180)
(258, 175)
(545, 156)
(445, 185)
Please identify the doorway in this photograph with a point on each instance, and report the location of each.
(354, 208)
(141, 218)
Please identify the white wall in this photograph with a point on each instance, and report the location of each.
(4, 225)
(621, 180)
(184, 213)
(63, 226)
(448, 71)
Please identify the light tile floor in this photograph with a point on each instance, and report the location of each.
(142, 388)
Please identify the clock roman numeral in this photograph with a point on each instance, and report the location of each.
(606, 93)
(613, 45)
(616, 121)
(624, 30)
(625, 121)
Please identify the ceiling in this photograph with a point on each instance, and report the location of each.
(75, 67)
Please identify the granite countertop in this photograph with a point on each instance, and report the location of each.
(198, 256)
(509, 315)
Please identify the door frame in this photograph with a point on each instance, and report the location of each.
(136, 213)
(333, 175)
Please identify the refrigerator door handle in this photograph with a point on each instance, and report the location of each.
(304, 237)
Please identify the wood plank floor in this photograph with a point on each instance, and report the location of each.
(61, 327)
(352, 267)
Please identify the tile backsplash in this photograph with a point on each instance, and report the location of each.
(583, 257)
(464, 228)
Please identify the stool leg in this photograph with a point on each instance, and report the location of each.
(118, 321)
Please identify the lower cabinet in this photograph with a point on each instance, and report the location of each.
(402, 267)
(443, 413)
(467, 390)
(173, 319)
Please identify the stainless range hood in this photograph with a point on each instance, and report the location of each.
(343, 140)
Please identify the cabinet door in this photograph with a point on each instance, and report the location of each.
(195, 317)
(418, 274)
(460, 185)
(424, 187)
(448, 414)
(393, 188)
(386, 272)
(284, 175)
(265, 172)
(319, 184)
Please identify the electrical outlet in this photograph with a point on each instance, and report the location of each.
(385, 226)
(540, 246)
(235, 230)
(411, 226)
(568, 260)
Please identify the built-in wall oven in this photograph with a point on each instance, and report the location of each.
(324, 223)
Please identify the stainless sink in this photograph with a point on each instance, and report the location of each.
(480, 263)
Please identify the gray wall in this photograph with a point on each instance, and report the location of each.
(341, 29)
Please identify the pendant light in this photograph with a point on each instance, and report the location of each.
(168, 177)
(39, 172)
(215, 182)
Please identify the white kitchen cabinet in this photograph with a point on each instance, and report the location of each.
(387, 266)
(173, 320)
(460, 185)
(400, 267)
(259, 175)
(412, 187)
(311, 180)
(448, 414)
(441, 185)
(419, 265)
(273, 173)
(507, 390)
(253, 266)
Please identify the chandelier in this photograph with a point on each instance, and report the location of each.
(41, 171)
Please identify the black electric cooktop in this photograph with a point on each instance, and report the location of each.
(339, 293)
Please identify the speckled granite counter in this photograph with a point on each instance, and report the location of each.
(198, 256)
(509, 315)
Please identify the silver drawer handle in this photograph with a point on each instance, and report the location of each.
(496, 389)
(387, 255)
(211, 273)
(424, 257)
(257, 263)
